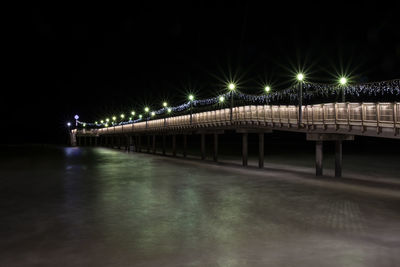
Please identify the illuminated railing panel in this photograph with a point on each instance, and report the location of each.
(380, 115)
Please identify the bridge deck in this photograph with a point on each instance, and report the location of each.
(369, 119)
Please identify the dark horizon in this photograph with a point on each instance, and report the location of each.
(94, 61)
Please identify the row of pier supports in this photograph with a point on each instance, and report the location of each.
(136, 142)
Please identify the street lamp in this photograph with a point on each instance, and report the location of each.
(153, 113)
(76, 117)
(169, 110)
(165, 104)
(146, 110)
(122, 116)
(267, 89)
(221, 99)
(231, 87)
(343, 82)
(102, 122)
(191, 98)
(68, 124)
(300, 78)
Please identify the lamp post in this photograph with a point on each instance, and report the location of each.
(343, 82)
(76, 117)
(191, 98)
(165, 105)
(300, 78)
(146, 110)
(231, 87)
(267, 89)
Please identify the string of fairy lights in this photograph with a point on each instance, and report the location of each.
(309, 91)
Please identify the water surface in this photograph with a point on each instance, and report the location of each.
(102, 207)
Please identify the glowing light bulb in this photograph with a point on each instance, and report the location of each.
(169, 110)
(146, 109)
(133, 113)
(153, 114)
(165, 104)
(343, 81)
(221, 99)
(68, 124)
(114, 118)
(300, 77)
(231, 86)
(191, 97)
(267, 89)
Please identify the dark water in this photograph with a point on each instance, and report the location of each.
(102, 207)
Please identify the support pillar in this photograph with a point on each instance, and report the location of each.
(174, 145)
(203, 146)
(163, 144)
(319, 138)
(215, 147)
(261, 150)
(154, 144)
(318, 158)
(244, 148)
(184, 145)
(338, 158)
(128, 143)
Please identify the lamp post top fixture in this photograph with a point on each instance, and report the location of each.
(300, 77)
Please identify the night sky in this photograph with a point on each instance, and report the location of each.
(97, 61)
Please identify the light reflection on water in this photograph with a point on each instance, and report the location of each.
(104, 207)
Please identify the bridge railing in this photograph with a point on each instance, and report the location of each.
(381, 115)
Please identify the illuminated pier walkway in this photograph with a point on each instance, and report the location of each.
(322, 122)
